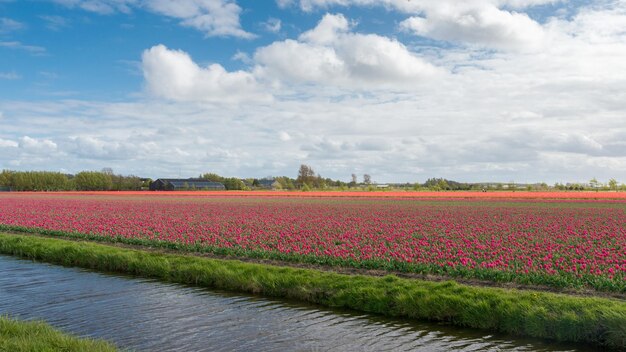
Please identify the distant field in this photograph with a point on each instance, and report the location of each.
(523, 237)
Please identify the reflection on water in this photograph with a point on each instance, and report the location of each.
(145, 315)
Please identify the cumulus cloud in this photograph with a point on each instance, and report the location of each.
(37, 146)
(172, 74)
(6, 143)
(331, 54)
(598, 25)
(212, 17)
(483, 25)
(98, 148)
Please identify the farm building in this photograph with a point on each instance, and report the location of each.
(268, 183)
(180, 184)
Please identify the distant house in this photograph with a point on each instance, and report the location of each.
(268, 183)
(181, 184)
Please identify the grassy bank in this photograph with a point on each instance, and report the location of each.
(598, 321)
(19, 336)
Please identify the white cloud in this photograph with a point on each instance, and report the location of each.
(172, 74)
(213, 17)
(104, 7)
(458, 130)
(573, 143)
(412, 6)
(272, 25)
(55, 23)
(243, 57)
(12, 75)
(5, 143)
(522, 4)
(33, 49)
(92, 147)
(284, 3)
(327, 30)
(484, 25)
(477, 22)
(330, 54)
(596, 25)
(284, 136)
(9, 25)
(37, 146)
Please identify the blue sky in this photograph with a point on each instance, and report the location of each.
(76, 55)
(484, 90)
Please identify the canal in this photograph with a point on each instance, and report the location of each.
(146, 315)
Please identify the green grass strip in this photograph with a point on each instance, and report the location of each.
(598, 321)
(37, 336)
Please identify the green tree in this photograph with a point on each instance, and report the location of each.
(146, 183)
(353, 182)
(286, 182)
(34, 180)
(233, 183)
(613, 184)
(212, 177)
(594, 183)
(443, 185)
(93, 181)
(306, 176)
(6, 178)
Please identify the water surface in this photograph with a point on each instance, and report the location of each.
(146, 315)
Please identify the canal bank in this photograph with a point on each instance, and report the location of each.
(30, 336)
(149, 315)
(597, 321)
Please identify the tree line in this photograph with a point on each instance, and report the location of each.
(230, 183)
(49, 181)
(307, 179)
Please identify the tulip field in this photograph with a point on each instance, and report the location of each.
(579, 243)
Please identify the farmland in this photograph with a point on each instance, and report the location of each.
(527, 238)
